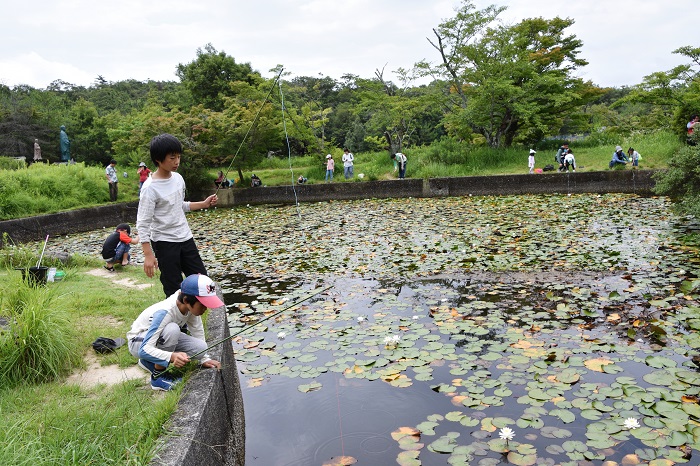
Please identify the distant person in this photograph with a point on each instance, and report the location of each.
(348, 162)
(330, 167)
(400, 160)
(255, 181)
(569, 161)
(618, 158)
(634, 156)
(65, 145)
(690, 127)
(221, 181)
(157, 337)
(166, 238)
(37, 151)
(116, 247)
(112, 179)
(559, 157)
(301, 179)
(143, 173)
(531, 161)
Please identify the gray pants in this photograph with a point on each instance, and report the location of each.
(172, 339)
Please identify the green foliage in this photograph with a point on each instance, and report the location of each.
(208, 77)
(38, 345)
(8, 163)
(682, 180)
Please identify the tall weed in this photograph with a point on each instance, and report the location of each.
(38, 345)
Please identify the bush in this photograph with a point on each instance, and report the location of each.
(38, 345)
(681, 182)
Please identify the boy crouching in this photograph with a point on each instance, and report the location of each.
(157, 340)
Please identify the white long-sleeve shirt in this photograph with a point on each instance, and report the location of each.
(151, 322)
(161, 214)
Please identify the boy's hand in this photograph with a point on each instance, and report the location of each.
(179, 359)
(150, 264)
(211, 200)
(212, 364)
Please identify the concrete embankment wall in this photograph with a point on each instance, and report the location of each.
(611, 181)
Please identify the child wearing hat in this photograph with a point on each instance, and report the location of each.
(116, 247)
(156, 337)
(143, 173)
(330, 167)
(531, 161)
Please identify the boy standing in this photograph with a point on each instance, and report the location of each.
(112, 179)
(166, 237)
(156, 337)
(330, 167)
(117, 245)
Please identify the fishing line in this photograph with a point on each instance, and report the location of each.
(289, 152)
(223, 340)
(250, 128)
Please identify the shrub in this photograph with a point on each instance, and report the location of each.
(681, 182)
(37, 346)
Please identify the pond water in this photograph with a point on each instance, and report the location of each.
(569, 320)
(568, 325)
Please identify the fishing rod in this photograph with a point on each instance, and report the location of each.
(249, 129)
(223, 340)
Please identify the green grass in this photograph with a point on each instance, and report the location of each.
(43, 420)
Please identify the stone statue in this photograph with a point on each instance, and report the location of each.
(37, 151)
(65, 145)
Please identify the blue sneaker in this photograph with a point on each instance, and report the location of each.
(164, 383)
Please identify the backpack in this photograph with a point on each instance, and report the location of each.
(548, 168)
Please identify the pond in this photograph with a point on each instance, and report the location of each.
(553, 329)
(479, 330)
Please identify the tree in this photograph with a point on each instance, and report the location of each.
(507, 82)
(208, 78)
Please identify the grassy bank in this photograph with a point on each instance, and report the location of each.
(43, 419)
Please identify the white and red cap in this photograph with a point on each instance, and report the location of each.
(203, 288)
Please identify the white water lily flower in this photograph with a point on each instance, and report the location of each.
(415, 317)
(281, 335)
(506, 433)
(360, 318)
(632, 423)
(254, 303)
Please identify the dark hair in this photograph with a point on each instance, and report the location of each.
(630, 149)
(124, 226)
(164, 145)
(187, 298)
(393, 156)
(112, 162)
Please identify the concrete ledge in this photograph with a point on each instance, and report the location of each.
(22, 230)
(208, 426)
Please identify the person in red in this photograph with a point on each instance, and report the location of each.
(117, 245)
(143, 173)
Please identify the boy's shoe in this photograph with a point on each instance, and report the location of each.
(164, 383)
(109, 267)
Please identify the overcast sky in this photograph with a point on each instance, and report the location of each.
(77, 40)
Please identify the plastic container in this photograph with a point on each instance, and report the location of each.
(34, 276)
(51, 274)
(60, 275)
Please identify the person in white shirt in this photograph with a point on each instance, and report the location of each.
(348, 160)
(166, 237)
(531, 161)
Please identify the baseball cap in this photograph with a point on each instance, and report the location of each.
(203, 288)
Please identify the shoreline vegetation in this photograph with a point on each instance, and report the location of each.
(43, 189)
